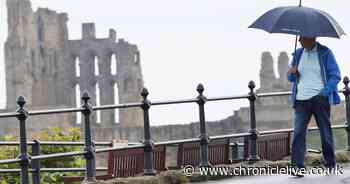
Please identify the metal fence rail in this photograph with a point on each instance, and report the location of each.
(53, 143)
(89, 150)
(52, 170)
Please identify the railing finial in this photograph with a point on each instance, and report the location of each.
(144, 93)
(251, 85)
(20, 101)
(200, 88)
(85, 97)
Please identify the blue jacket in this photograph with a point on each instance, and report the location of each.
(329, 71)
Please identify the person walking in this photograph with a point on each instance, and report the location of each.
(314, 75)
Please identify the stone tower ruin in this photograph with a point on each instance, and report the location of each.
(49, 70)
(268, 80)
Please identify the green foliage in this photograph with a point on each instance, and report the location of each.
(8, 152)
(54, 134)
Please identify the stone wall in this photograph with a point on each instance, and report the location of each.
(168, 132)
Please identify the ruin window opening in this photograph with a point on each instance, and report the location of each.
(136, 57)
(77, 67)
(97, 70)
(114, 64)
(116, 101)
(78, 103)
(98, 103)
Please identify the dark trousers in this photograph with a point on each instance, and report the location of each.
(303, 110)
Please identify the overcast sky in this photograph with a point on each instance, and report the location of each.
(186, 42)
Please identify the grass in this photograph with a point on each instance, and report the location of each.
(339, 136)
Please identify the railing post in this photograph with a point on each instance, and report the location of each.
(346, 93)
(148, 144)
(89, 146)
(23, 115)
(204, 138)
(36, 163)
(254, 133)
(227, 151)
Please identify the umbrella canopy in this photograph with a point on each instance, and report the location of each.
(297, 20)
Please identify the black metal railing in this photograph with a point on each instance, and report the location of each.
(89, 150)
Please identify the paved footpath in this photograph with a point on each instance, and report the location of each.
(287, 179)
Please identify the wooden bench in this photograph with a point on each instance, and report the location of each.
(270, 147)
(126, 163)
(189, 153)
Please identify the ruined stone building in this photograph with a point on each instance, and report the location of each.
(50, 70)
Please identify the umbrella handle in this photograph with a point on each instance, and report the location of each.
(295, 47)
(295, 43)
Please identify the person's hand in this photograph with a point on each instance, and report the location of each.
(292, 70)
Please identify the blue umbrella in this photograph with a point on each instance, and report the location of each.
(298, 20)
